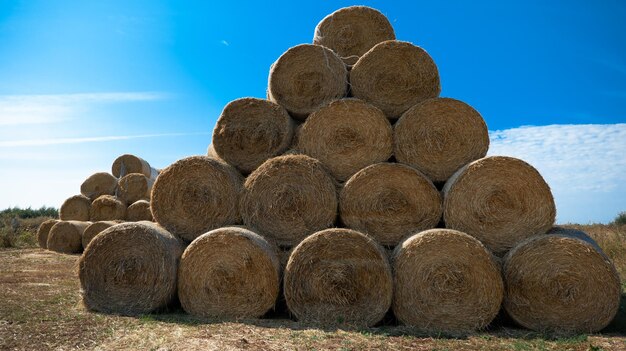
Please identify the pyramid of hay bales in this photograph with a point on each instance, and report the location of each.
(362, 190)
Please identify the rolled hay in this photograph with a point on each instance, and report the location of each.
(338, 276)
(307, 77)
(130, 269)
(354, 30)
(66, 236)
(394, 76)
(76, 208)
(211, 153)
(438, 136)
(498, 200)
(389, 201)
(139, 211)
(43, 231)
(94, 229)
(346, 136)
(289, 197)
(134, 187)
(98, 184)
(195, 195)
(251, 130)
(127, 164)
(229, 272)
(107, 208)
(561, 284)
(445, 281)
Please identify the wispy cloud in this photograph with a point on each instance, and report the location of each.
(59, 141)
(224, 42)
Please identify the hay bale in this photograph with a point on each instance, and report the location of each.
(139, 211)
(134, 187)
(43, 231)
(229, 272)
(389, 201)
(352, 31)
(307, 77)
(445, 281)
(76, 208)
(394, 76)
(94, 229)
(127, 164)
(500, 201)
(66, 236)
(101, 183)
(338, 276)
(438, 136)
(130, 269)
(195, 195)
(561, 284)
(211, 153)
(289, 197)
(346, 136)
(107, 208)
(251, 130)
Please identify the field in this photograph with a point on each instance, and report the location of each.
(40, 309)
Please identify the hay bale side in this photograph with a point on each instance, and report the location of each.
(445, 281)
(346, 136)
(94, 229)
(229, 272)
(127, 164)
(352, 31)
(438, 136)
(139, 211)
(98, 184)
(211, 153)
(389, 201)
(76, 208)
(394, 76)
(307, 77)
(500, 201)
(66, 236)
(195, 195)
(43, 231)
(289, 197)
(130, 269)
(338, 276)
(107, 208)
(562, 284)
(134, 187)
(251, 130)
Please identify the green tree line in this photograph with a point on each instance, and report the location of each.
(29, 212)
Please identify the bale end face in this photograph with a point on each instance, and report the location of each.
(76, 208)
(66, 237)
(43, 231)
(107, 208)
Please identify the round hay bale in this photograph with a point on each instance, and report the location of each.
(389, 201)
(76, 208)
(107, 208)
(66, 236)
(43, 231)
(211, 153)
(130, 269)
(438, 136)
(307, 77)
(94, 229)
(229, 272)
(134, 187)
(346, 136)
(561, 284)
(354, 30)
(195, 195)
(500, 201)
(289, 197)
(445, 281)
(127, 164)
(338, 276)
(98, 184)
(251, 130)
(139, 211)
(394, 76)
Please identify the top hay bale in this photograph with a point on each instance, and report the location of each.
(98, 184)
(394, 76)
(127, 164)
(307, 77)
(352, 31)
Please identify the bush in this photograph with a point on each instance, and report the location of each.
(29, 212)
(620, 219)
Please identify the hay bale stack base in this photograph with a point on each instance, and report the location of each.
(43, 231)
(139, 211)
(107, 208)
(66, 236)
(134, 187)
(94, 229)
(76, 208)
(98, 184)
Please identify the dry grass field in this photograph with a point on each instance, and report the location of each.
(40, 309)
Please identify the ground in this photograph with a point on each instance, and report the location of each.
(40, 309)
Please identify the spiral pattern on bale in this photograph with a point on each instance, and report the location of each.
(66, 236)
(76, 208)
(134, 187)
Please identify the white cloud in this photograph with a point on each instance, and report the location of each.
(224, 42)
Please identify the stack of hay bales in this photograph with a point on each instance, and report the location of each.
(376, 189)
(105, 199)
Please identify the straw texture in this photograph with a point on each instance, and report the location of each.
(107, 208)
(98, 184)
(66, 236)
(76, 208)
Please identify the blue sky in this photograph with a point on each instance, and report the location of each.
(82, 82)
